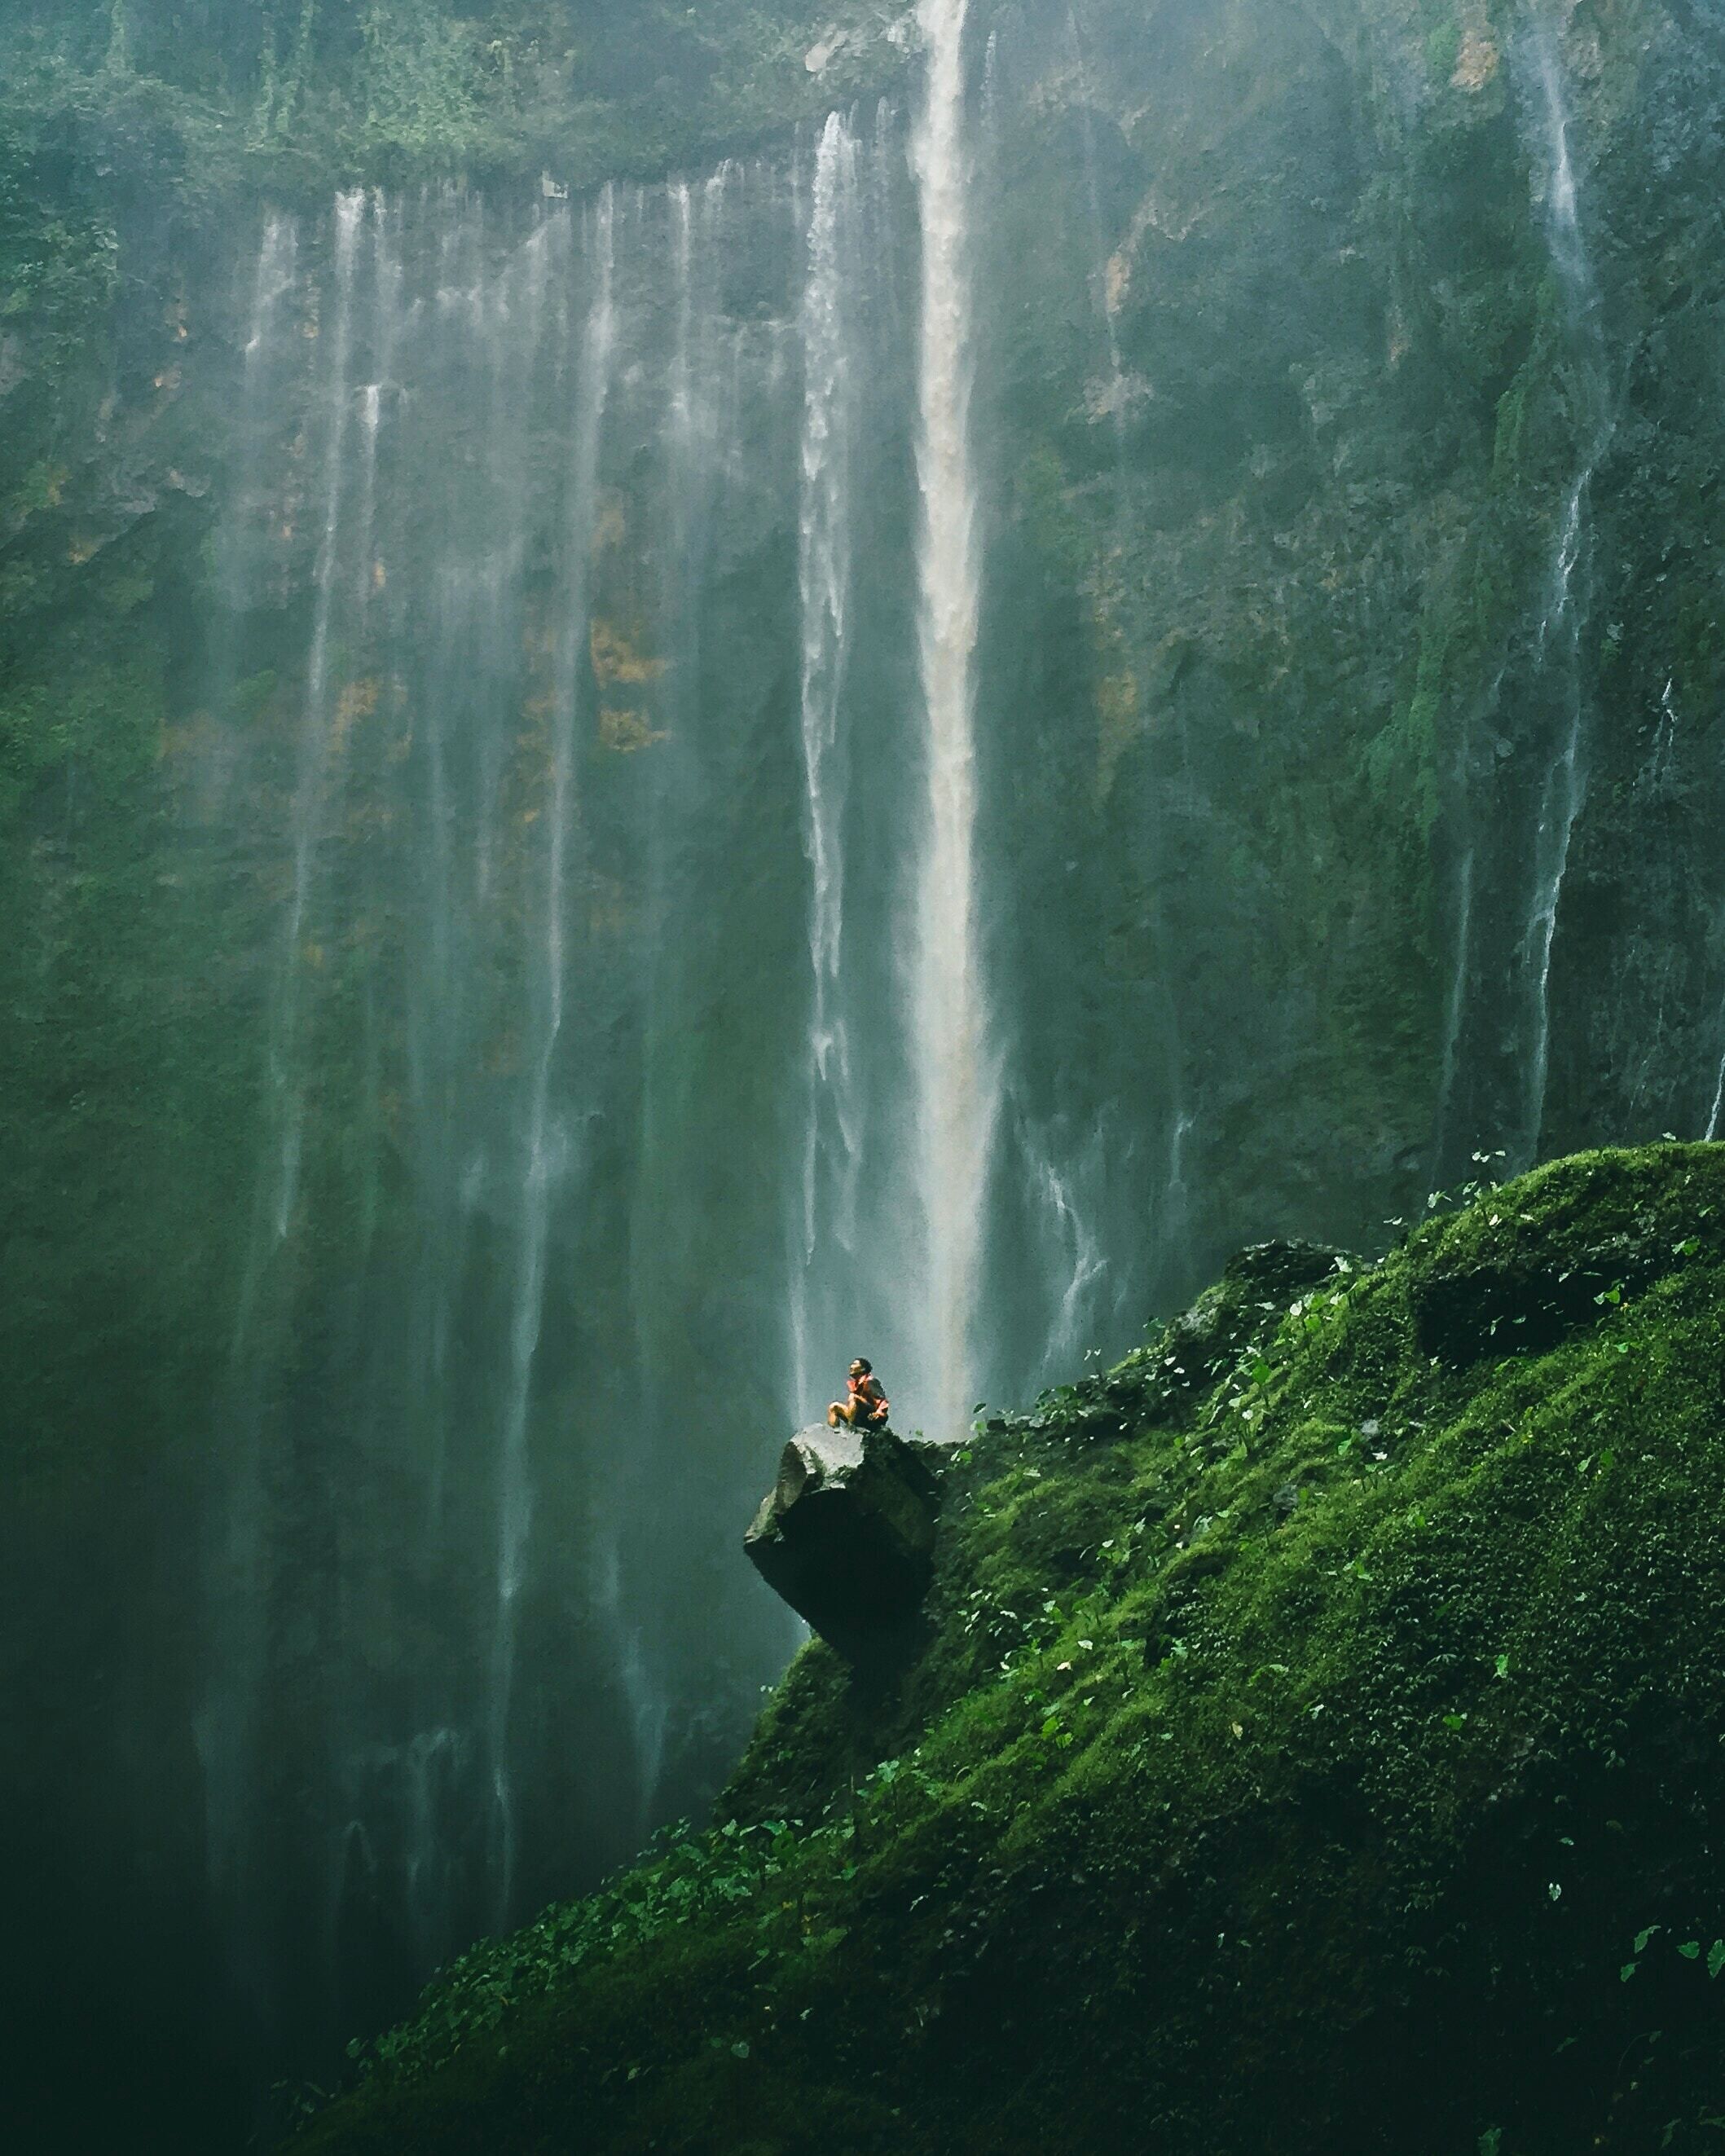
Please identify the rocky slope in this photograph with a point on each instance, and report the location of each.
(1314, 1746)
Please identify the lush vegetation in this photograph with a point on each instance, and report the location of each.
(1314, 1747)
(296, 94)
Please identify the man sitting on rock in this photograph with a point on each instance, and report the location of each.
(866, 1408)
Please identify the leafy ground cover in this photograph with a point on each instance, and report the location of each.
(1314, 1745)
(293, 97)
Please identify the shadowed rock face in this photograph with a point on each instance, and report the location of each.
(846, 1535)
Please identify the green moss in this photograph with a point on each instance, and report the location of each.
(290, 99)
(1320, 1704)
(101, 720)
(1443, 49)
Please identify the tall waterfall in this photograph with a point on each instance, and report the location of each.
(955, 1083)
(833, 1139)
(1558, 642)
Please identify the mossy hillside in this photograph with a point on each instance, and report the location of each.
(1312, 1749)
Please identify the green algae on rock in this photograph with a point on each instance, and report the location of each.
(1207, 1822)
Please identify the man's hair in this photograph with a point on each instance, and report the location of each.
(865, 1365)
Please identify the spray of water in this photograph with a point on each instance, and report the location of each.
(543, 1152)
(955, 1085)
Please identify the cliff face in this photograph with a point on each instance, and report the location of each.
(1313, 1747)
(1348, 421)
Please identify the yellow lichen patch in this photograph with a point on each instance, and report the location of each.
(1156, 213)
(1477, 63)
(539, 642)
(1119, 722)
(616, 656)
(608, 912)
(357, 700)
(40, 488)
(626, 731)
(83, 550)
(168, 379)
(194, 737)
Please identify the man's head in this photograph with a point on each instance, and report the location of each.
(862, 1368)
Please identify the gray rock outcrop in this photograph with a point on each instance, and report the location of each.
(846, 1534)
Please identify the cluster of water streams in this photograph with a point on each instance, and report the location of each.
(1499, 1019)
(571, 495)
(643, 1031)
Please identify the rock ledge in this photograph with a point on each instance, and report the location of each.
(846, 1535)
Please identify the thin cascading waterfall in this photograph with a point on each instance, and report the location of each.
(287, 1074)
(1658, 771)
(1114, 398)
(543, 1164)
(435, 1765)
(644, 1701)
(955, 1085)
(1564, 789)
(1081, 1264)
(368, 577)
(830, 1142)
(226, 1721)
(274, 281)
(388, 279)
(229, 1722)
(478, 571)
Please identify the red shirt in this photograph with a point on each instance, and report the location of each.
(868, 1390)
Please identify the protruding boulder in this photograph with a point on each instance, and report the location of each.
(846, 1535)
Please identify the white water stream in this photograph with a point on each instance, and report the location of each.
(823, 576)
(288, 1069)
(955, 1083)
(1565, 785)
